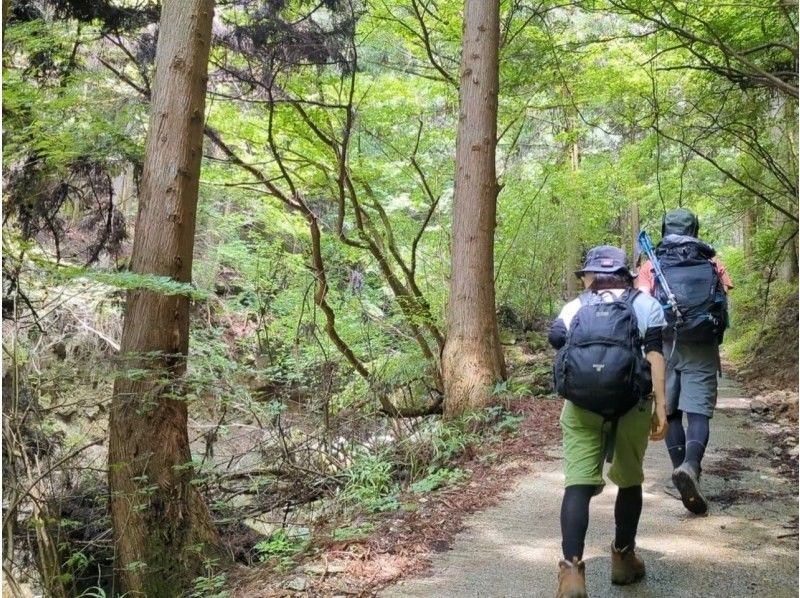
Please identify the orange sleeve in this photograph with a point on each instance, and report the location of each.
(723, 274)
(646, 281)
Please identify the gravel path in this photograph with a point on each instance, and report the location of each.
(513, 548)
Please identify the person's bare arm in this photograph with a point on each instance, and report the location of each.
(645, 282)
(658, 368)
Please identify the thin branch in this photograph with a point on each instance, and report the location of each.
(519, 227)
(728, 173)
(425, 37)
(124, 78)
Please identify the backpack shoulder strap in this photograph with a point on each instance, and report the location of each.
(630, 295)
(585, 298)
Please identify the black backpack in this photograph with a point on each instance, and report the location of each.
(602, 367)
(693, 279)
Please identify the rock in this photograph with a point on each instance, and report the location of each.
(440, 545)
(66, 416)
(347, 589)
(24, 590)
(296, 531)
(323, 569)
(794, 451)
(265, 528)
(298, 584)
(95, 411)
(60, 351)
(776, 450)
(758, 407)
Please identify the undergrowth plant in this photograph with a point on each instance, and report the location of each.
(437, 479)
(210, 585)
(370, 483)
(281, 549)
(345, 533)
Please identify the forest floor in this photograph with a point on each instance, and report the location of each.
(498, 533)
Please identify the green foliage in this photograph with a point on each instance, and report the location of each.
(210, 585)
(508, 423)
(281, 549)
(452, 438)
(132, 281)
(445, 441)
(436, 479)
(344, 534)
(762, 337)
(77, 562)
(656, 123)
(47, 110)
(369, 482)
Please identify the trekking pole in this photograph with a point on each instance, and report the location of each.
(646, 245)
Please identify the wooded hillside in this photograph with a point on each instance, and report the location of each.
(251, 364)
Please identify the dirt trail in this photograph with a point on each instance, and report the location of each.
(512, 549)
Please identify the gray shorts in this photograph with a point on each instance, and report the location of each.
(691, 377)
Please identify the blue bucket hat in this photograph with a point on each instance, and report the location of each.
(607, 260)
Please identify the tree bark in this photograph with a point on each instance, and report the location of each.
(788, 271)
(162, 528)
(6, 13)
(748, 234)
(572, 239)
(789, 267)
(634, 239)
(472, 359)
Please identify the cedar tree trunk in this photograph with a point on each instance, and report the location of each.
(472, 359)
(162, 528)
(635, 228)
(572, 240)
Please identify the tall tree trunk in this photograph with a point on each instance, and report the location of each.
(6, 13)
(635, 225)
(789, 267)
(472, 359)
(748, 234)
(572, 240)
(162, 528)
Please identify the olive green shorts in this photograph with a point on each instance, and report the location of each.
(585, 436)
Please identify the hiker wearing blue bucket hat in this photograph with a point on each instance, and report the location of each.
(608, 363)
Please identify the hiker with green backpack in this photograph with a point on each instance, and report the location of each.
(609, 360)
(685, 276)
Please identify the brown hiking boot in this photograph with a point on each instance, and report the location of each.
(571, 579)
(686, 479)
(626, 567)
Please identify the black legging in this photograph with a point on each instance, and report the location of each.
(575, 518)
(689, 445)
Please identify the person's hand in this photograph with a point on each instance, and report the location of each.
(658, 424)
